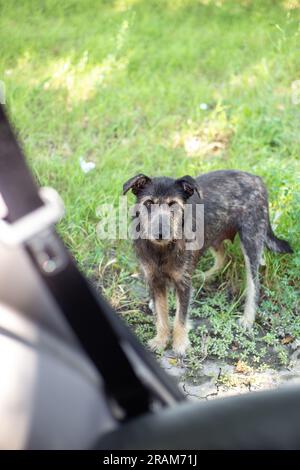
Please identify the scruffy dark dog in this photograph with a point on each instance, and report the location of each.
(234, 202)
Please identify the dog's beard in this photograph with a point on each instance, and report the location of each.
(172, 232)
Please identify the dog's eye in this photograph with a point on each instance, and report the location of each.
(148, 202)
(172, 203)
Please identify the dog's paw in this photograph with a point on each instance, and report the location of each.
(245, 323)
(158, 342)
(181, 346)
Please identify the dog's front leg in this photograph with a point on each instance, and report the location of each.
(160, 303)
(180, 332)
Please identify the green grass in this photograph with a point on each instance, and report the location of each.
(120, 83)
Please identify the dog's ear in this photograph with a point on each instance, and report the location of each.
(136, 183)
(189, 186)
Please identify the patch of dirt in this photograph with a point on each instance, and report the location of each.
(209, 140)
(217, 378)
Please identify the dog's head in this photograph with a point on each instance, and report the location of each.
(160, 205)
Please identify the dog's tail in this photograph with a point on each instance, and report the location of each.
(276, 244)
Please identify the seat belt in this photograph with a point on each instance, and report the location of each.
(29, 219)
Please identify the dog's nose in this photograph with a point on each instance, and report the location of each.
(160, 229)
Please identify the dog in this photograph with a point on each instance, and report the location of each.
(234, 202)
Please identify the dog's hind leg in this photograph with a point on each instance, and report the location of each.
(180, 332)
(252, 247)
(160, 303)
(219, 255)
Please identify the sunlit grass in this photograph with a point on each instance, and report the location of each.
(160, 87)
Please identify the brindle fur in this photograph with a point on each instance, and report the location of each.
(235, 202)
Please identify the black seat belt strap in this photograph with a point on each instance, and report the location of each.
(18, 188)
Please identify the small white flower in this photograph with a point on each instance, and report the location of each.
(86, 166)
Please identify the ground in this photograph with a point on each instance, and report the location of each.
(216, 378)
(168, 87)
